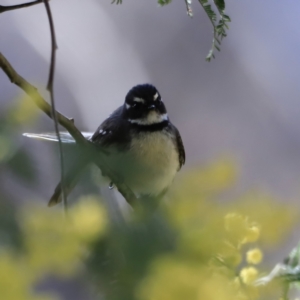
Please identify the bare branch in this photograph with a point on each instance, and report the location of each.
(53, 47)
(13, 7)
(53, 110)
(38, 99)
(92, 150)
(189, 11)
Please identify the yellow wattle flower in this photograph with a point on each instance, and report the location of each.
(254, 256)
(249, 275)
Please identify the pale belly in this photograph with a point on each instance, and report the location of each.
(150, 165)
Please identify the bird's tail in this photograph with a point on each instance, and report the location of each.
(70, 180)
(51, 136)
(72, 176)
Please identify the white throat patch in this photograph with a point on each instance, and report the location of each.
(153, 117)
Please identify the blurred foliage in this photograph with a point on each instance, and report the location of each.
(197, 245)
(51, 245)
(12, 156)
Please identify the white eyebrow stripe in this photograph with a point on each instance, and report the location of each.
(141, 100)
(155, 96)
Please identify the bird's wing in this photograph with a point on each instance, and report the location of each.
(51, 136)
(180, 147)
(112, 132)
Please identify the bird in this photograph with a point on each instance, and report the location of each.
(140, 143)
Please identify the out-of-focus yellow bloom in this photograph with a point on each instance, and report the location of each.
(213, 178)
(248, 275)
(16, 278)
(53, 243)
(240, 230)
(25, 111)
(203, 265)
(234, 220)
(171, 278)
(254, 256)
(196, 240)
(236, 283)
(276, 218)
(216, 176)
(235, 223)
(230, 254)
(88, 218)
(236, 226)
(204, 233)
(252, 234)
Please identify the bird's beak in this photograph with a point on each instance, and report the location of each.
(151, 107)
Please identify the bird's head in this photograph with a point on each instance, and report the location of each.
(143, 106)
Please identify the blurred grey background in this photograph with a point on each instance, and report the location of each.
(244, 104)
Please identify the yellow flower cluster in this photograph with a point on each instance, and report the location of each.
(212, 255)
(249, 275)
(211, 242)
(53, 245)
(254, 256)
(172, 278)
(240, 229)
(240, 232)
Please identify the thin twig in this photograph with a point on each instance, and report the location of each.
(38, 99)
(189, 10)
(92, 150)
(13, 7)
(53, 47)
(50, 89)
(215, 36)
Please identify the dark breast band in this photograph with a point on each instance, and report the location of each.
(152, 127)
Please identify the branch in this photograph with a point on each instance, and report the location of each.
(13, 7)
(189, 11)
(219, 28)
(96, 153)
(38, 99)
(53, 110)
(53, 47)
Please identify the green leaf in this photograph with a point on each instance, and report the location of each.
(220, 4)
(164, 2)
(210, 55)
(211, 14)
(226, 18)
(220, 27)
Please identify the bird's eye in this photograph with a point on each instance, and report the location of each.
(136, 105)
